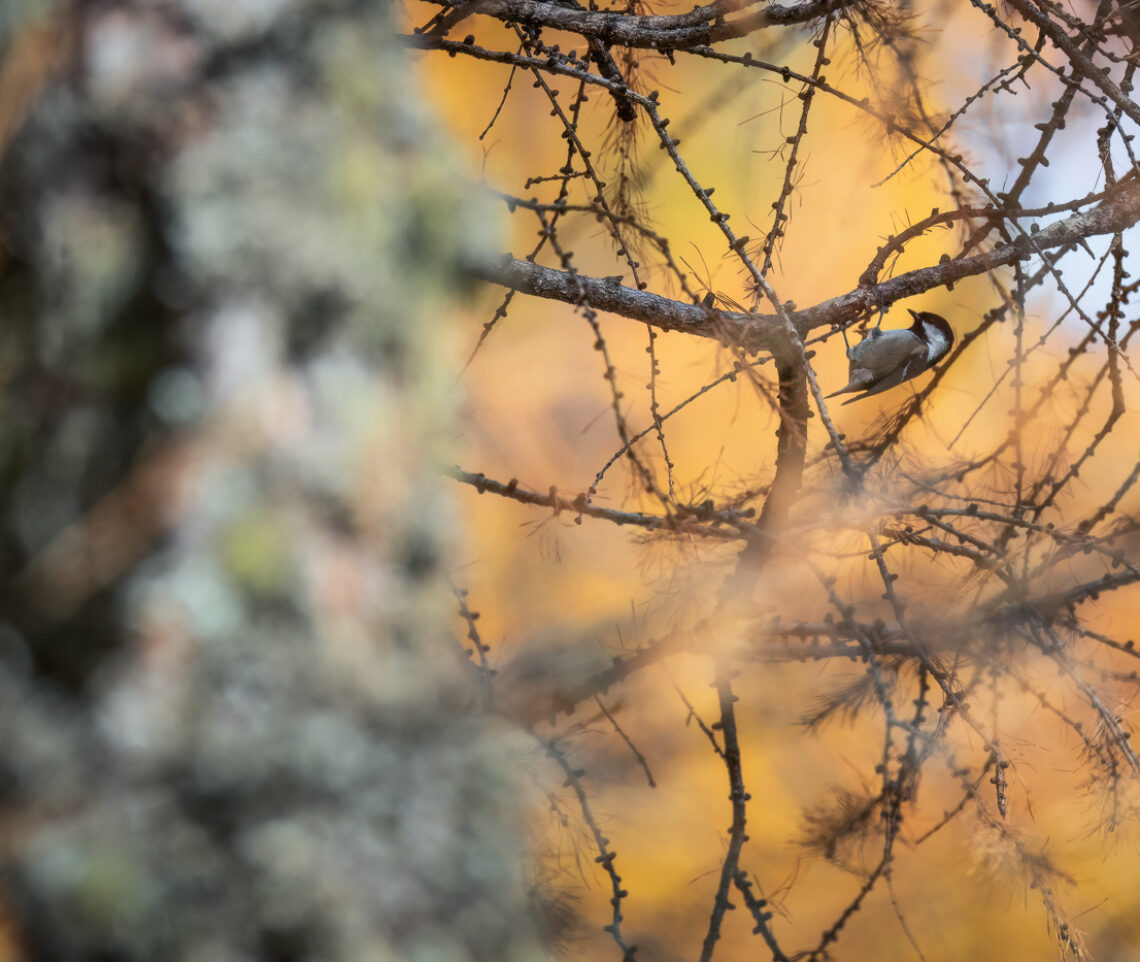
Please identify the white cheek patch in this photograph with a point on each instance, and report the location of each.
(937, 343)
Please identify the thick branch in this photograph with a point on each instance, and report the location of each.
(608, 294)
(791, 451)
(1118, 211)
(791, 448)
(703, 25)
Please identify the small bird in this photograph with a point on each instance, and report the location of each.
(884, 359)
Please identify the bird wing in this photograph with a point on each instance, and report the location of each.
(901, 353)
(911, 361)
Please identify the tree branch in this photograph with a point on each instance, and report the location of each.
(608, 294)
(680, 521)
(1080, 62)
(1119, 209)
(703, 25)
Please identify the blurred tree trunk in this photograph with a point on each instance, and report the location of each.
(234, 724)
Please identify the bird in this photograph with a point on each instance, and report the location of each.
(884, 359)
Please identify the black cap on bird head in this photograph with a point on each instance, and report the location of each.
(935, 332)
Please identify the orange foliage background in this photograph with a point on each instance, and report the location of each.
(558, 598)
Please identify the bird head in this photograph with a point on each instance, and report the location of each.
(934, 332)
